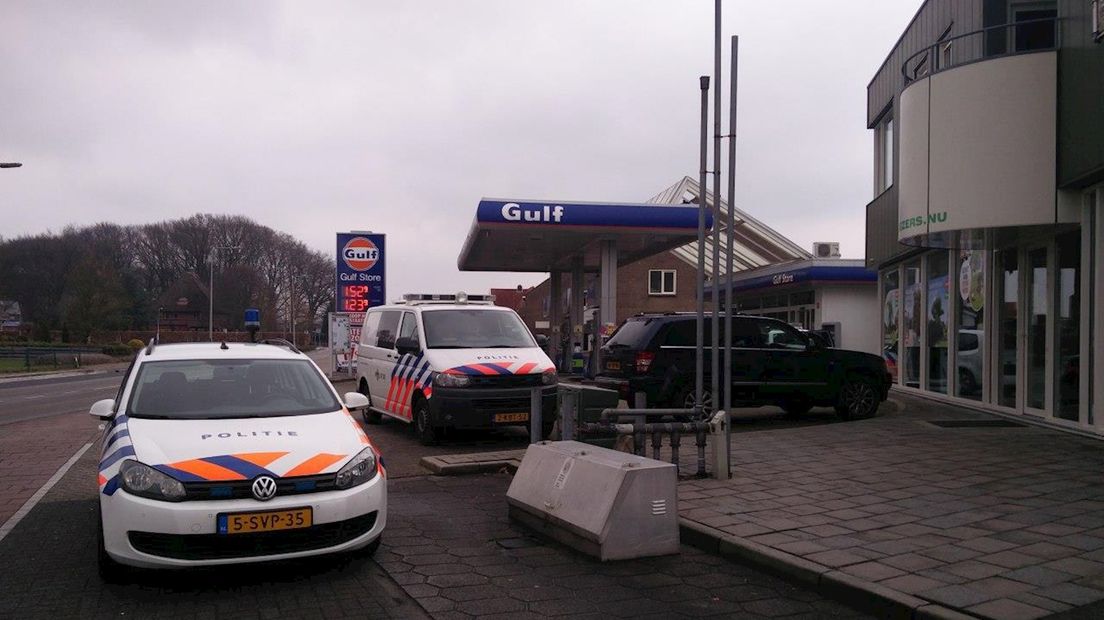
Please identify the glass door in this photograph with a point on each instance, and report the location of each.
(1035, 333)
(1007, 298)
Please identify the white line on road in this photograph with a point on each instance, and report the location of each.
(10, 524)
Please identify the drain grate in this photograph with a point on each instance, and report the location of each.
(976, 423)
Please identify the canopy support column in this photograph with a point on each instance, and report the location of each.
(607, 310)
(575, 338)
(555, 318)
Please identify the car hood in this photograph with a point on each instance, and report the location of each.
(243, 448)
(489, 361)
(857, 358)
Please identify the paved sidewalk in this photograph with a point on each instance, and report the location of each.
(1001, 522)
(451, 546)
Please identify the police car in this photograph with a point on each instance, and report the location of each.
(452, 362)
(222, 453)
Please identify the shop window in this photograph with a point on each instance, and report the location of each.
(802, 299)
(891, 311)
(913, 312)
(971, 324)
(661, 282)
(937, 315)
(883, 153)
(1068, 363)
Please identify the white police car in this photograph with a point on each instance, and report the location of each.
(222, 453)
(452, 361)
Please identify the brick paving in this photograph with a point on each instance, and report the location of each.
(32, 451)
(450, 545)
(998, 522)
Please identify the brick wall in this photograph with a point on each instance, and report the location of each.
(632, 291)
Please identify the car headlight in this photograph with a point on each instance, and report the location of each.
(359, 470)
(549, 377)
(144, 481)
(450, 380)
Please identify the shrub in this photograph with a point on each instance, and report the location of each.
(135, 344)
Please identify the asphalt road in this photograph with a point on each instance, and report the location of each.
(40, 397)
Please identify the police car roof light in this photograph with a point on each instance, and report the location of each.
(458, 298)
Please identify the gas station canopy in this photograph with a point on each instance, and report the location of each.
(549, 236)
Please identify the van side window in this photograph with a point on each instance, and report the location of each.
(388, 329)
(369, 330)
(409, 327)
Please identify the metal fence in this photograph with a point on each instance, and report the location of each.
(31, 358)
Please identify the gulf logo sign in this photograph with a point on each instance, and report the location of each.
(360, 254)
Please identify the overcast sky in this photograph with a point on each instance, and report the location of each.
(397, 117)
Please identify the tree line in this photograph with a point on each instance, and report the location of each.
(107, 277)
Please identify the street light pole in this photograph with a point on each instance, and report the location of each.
(211, 288)
(157, 337)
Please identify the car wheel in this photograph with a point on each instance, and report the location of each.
(686, 401)
(370, 416)
(423, 425)
(796, 409)
(857, 399)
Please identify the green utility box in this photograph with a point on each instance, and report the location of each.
(592, 401)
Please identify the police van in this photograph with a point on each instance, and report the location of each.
(452, 362)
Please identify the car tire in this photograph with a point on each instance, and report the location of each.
(796, 409)
(369, 416)
(858, 399)
(423, 424)
(110, 571)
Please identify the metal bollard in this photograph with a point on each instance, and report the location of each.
(569, 412)
(718, 429)
(640, 400)
(657, 443)
(536, 403)
(639, 434)
(701, 452)
(676, 439)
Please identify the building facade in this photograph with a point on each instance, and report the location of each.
(834, 295)
(985, 228)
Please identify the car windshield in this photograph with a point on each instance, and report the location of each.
(240, 388)
(475, 329)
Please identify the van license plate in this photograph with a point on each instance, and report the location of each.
(268, 521)
(511, 417)
(613, 365)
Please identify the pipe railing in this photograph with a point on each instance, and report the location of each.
(928, 61)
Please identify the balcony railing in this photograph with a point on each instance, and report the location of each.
(1021, 37)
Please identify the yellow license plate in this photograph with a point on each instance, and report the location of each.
(511, 417)
(267, 521)
(613, 365)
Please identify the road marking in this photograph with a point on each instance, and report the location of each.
(14, 520)
(35, 396)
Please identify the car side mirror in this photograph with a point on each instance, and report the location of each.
(355, 400)
(407, 345)
(103, 409)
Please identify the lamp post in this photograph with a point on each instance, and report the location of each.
(157, 336)
(211, 288)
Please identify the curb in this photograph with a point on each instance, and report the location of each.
(854, 591)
